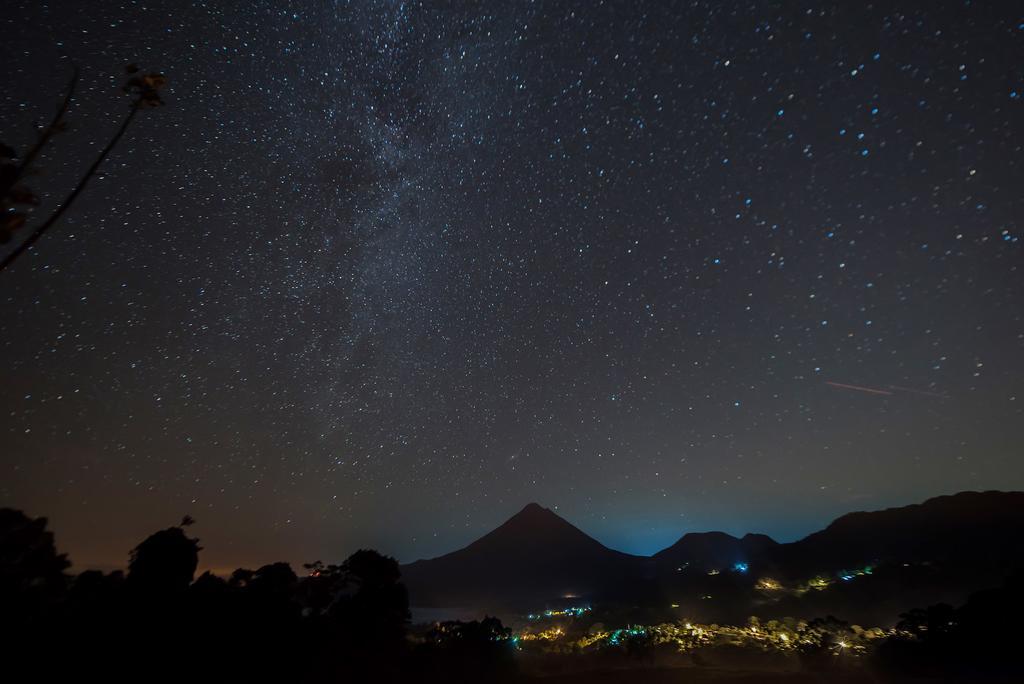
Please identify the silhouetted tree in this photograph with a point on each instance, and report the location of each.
(477, 632)
(164, 563)
(272, 588)
(824, 643)
(322, 586)
(976, 642)
(209, 584)
(933, 622)
(241, 577)
(31, 571)
(378, 608)
(344, 622)
(33, 587)
(479, 650)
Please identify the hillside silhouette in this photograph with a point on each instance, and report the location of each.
(534, 556)
(936, 551)
(715, 550)
(968, 529)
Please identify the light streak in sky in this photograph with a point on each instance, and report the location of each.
(858, 388)
(889, 391)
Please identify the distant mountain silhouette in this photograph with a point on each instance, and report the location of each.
(962, 542)
(976, 529)
(535, 556)
(973, 529)
(715, 550)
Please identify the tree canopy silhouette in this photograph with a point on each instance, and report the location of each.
(164, 562)
(31, 571)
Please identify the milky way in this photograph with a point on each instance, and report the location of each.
(381, 273)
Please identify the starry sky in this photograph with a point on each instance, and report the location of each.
(381, 273)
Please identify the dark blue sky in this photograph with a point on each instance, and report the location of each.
(379, 274)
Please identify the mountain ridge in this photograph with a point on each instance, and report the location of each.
(535, 553)
(536, 556)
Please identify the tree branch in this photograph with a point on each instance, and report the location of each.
(69, 200)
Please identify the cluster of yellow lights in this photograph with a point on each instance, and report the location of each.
(591, 639)
(688, 636)
(815, 583)
(551, 634)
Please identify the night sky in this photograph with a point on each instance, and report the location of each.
(381, 273)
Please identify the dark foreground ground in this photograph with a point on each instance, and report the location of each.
(692, 676)
(717, 676)
(721, 666)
